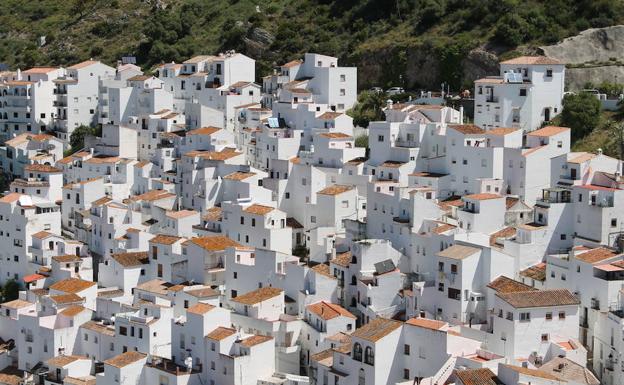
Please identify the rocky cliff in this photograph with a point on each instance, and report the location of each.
(595, 55)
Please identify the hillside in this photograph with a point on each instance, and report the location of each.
(415, 43)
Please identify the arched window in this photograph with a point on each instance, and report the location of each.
(353, 259)
(353, 280)
(369, 356)
(357, 352)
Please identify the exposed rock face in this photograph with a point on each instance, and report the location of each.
(595, 55)
(592, 45)
(478, 64)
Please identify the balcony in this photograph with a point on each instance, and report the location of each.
(601, 202)
(406, 143)
(169, 366)
(595, 304)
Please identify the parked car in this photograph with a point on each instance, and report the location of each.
(395, 91)
(377, 90)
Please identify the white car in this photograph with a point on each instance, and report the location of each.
(395, 91)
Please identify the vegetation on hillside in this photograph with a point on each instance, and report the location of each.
(274, 31)
(581, 112)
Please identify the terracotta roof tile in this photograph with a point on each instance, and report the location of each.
(42, 235)
(239, 175)
(213, 214)
(335, 189)
(503, 284)
(467, 129)
(73, 310)
(203, 131)
(72, 285)
(214, 243)
(539, 298)
(458, 252)
(343, 259)
(163, 239)
(536, 272)
(427, 323)
(153, 195)
(532, 372)
(376, 329)
(200, 308)
(596, 255)
(335, 135)
(224, 154)
(327, 310)
(255, 340)
(531, 60)
(506, 233)
(221, 333)
(181, 214)
(131, 259)
(481, 376)
(67, 258)
(482, 196)
(330, 115)
(42, 168)
(203, 292)
(548, 131)
(16, 304)
(60, 361)
(323, 269)
(125, 359)
(98, 328)
(64, 299)
(257, 296)
(258, 209)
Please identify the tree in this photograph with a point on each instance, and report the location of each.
(368, 108)
(361, 141)
(581, 112)
(10, 291)
(76, 140)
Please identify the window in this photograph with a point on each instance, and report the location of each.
(343, 78)
(549, 73)
(406, 374)
(613, 222)
(380, 138)
(123, 331)
(522, 91)
(357, 351)
(549, 316)
(561, 315)
(369, 356)
(545, 337)
(287, 195)
(406, 349)
(525, 317)
(235, 275)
